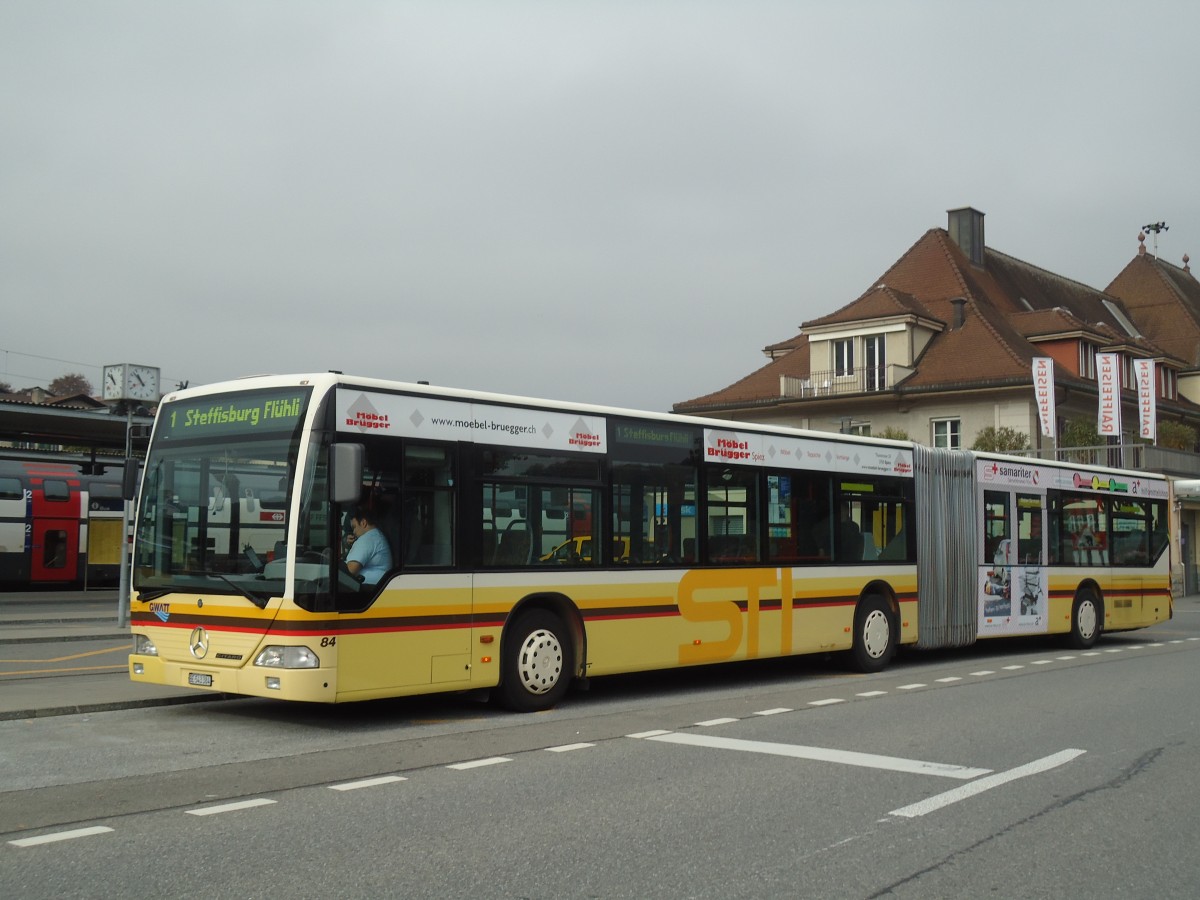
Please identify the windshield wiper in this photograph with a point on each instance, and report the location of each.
(261, 603)
(147, 594)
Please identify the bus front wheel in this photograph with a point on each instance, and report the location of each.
(1087, 620)
(536, 662)
(874, 635)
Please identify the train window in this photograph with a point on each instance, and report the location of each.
(54, 550)
(56, 490)
(10, 489)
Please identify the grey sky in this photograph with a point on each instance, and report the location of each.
(613, 202)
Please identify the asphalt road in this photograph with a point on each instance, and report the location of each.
(1008, 770)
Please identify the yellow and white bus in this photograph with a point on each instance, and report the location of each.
(707, 541)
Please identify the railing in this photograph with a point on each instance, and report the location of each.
(832, 383)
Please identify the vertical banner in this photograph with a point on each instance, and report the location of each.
(1147, 405)
(1043, 391)
(1108, 379)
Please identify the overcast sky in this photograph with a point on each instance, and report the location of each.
(615, 202)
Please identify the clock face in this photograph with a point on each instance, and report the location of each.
(141, 382)
(113, 387)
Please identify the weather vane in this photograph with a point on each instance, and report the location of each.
(1156, 227)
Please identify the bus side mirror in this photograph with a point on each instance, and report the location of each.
(129, 479)
(346, 468)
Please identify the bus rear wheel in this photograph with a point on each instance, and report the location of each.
(536, 663)
(1087, 620)
(874, 635)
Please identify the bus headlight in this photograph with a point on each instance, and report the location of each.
(287, 658)
(143, 646)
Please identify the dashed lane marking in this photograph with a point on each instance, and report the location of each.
(229, 807)
(479, 763)
(367, 783)
(60, 836)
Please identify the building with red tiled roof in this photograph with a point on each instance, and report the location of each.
(1165, 301)
(942, 346)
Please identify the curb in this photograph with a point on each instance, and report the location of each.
(108, 706)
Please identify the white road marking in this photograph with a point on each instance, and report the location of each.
(830, 702)
(872, 694)
(774, 712)
(567, 748)
(982, 672)
(910, 687)
(367, 782)
(1012, 668)
(1042, 662)
(986, 784)
(949, 679)
(648, 734)
(229, 807)
(477, 763)
(711, 722)
(823, 754)
(60, 836)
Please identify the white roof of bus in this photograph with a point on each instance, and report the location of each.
(324, 381)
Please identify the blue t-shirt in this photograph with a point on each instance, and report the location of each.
(371, 551)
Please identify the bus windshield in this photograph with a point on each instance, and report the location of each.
(213, 510)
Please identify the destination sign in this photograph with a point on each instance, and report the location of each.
(224, 415)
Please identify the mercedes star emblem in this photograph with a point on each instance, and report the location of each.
(198, 642)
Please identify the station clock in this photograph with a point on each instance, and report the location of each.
(126, 381)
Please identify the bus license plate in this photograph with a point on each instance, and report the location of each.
(199, 680)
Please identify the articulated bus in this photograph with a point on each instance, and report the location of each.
(706, 541)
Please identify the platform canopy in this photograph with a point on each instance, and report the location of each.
(89, 429)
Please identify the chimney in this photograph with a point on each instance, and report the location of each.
(960, 311)
(966, 230)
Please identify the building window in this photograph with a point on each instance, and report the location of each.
(863, 429)
(1167, 377)
(843, 357)
(1087, 360)
(947, 433)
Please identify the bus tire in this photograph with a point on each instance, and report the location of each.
(536, 663)
(1087, 620)
(874, 635)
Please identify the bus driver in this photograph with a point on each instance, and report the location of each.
(369, 556)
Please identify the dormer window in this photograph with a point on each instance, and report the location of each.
(843, 357)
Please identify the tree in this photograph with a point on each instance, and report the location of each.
(1080, 433)
(893, 433)
(5, 387)
(1176, 435)
(1001, 440)
(70, 385)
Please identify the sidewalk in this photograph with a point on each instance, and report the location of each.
(40, 632)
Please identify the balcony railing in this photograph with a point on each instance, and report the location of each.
(832, 383)
(1145, 457)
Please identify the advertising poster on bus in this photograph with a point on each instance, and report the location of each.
(1012, 572)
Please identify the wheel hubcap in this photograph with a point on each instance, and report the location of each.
(1087, 619)
(540, 663)
(876, 634)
